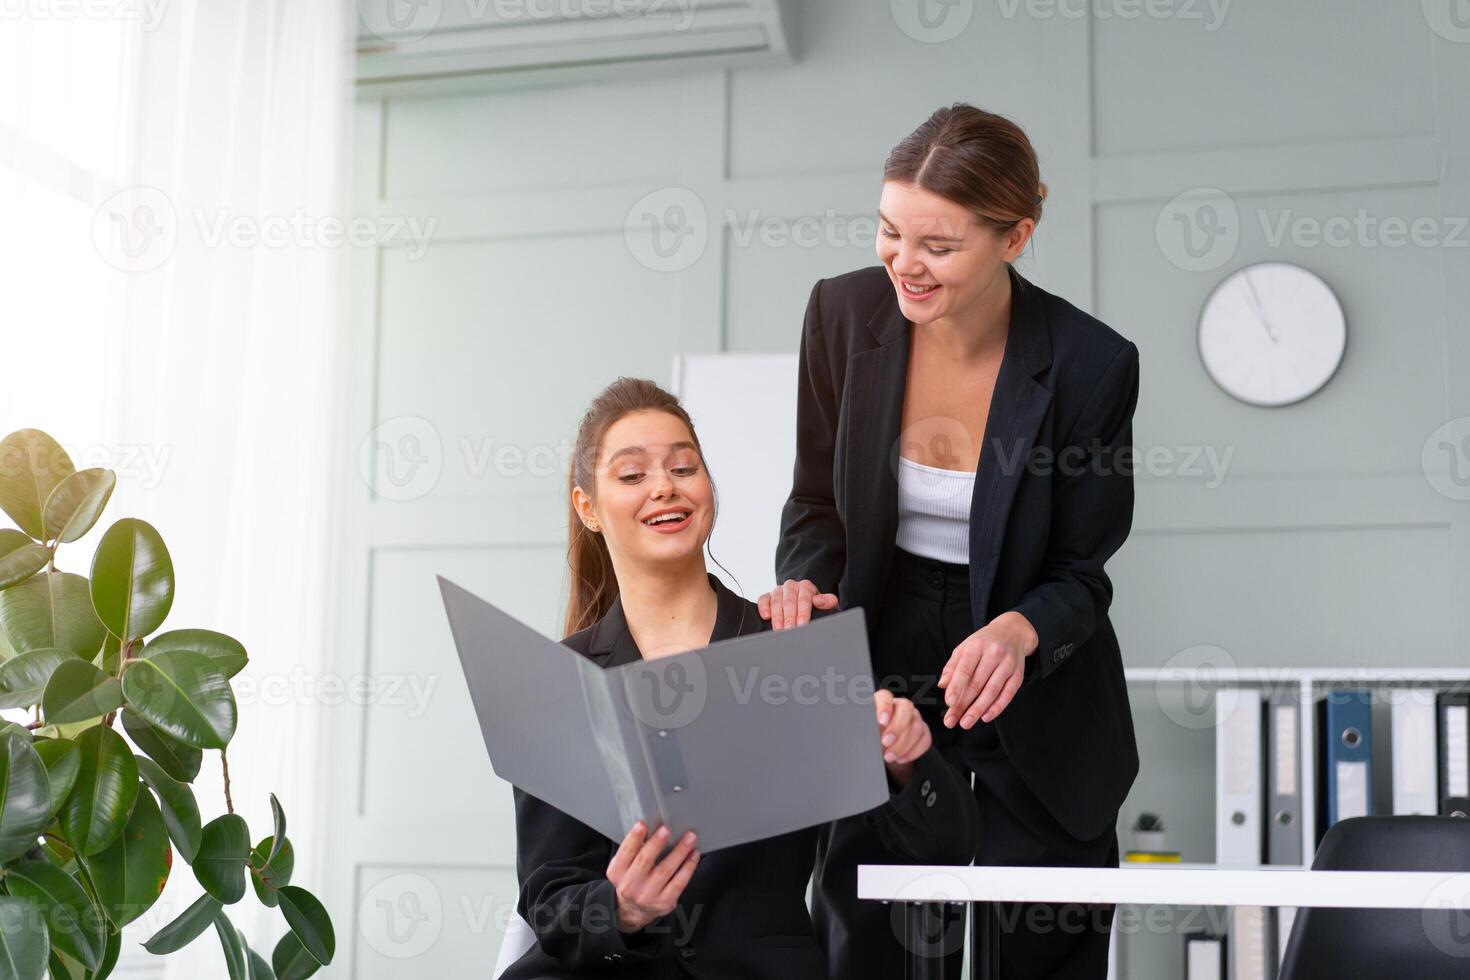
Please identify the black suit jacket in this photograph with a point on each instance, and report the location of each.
(743, 913)
(1053, 501)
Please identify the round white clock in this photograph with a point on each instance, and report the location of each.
(1272, 334)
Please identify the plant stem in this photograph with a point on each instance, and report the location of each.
(224, 761)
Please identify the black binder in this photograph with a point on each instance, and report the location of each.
(1454, 754)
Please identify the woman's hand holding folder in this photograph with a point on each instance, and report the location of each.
(648, 888)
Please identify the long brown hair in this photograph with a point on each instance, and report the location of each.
(594, 584)
(979, 160)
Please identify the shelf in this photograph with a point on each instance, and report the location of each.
(1262, 675)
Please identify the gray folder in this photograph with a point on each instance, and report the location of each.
(746, 738)
(1283, 780)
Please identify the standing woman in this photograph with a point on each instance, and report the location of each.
(963, 472)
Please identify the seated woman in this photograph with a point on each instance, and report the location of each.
(641, 509)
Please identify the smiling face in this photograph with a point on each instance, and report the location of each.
(653, 497)
(940, 257)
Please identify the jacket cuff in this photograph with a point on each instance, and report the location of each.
(1053, 646)
(591, 923)
(930, 820)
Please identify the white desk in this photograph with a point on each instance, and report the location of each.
(1158, 884)
(1167, 884)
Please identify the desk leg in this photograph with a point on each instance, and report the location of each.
(924, 923)
(985, 942)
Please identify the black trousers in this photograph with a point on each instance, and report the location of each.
(925, 614)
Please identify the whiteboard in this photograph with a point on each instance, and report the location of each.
(744, 410)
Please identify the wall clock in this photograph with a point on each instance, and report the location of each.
(1272, 334)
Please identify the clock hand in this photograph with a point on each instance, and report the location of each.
(1260, 310)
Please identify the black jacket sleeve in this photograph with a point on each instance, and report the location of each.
(813, 543)
(1091, 515)
(934, 819)
(565, 894)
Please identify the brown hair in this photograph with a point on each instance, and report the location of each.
(975, 158)
(594, 585)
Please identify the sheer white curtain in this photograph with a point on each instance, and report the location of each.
(173, 184)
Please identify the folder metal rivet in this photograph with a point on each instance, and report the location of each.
(663, 734)
(678, 789)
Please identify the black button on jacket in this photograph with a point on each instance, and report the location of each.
(743, 915)
(1053, 500)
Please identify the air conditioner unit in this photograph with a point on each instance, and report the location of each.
(429, 46)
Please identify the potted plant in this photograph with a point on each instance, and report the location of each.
(95, 787)
(1149, 834)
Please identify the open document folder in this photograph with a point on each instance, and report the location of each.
(747, 738)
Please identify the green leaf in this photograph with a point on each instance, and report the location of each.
(259, 968)
(31, 465)
(291, 961)
(227, 652)
(183, 694)
(63, 760)
(110, 655)
(237, 963)
(78, 691)
(24, 940)
(20, 557)
(175, 758)
(131, 871)
(279, 836)
(132, 579)
(63, 967)
(25, 795)
(109, 956)
(75, 925)
(309, 920)
(268, 873)
(219, 864)
(186, 928)
(23, 679)
(107, 785)
(76, 503)
(176, 800)
(51, 610)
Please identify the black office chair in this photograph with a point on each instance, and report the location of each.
(1391, 944)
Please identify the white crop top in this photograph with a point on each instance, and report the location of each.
(934, 511)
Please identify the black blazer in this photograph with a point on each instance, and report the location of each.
(1053, 501)
(743, 913)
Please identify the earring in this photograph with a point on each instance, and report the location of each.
(594, 526)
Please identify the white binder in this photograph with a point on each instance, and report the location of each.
(1252, 947)
(1238, 782)
(1415, 752)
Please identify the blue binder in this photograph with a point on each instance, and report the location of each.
(1344, 757)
